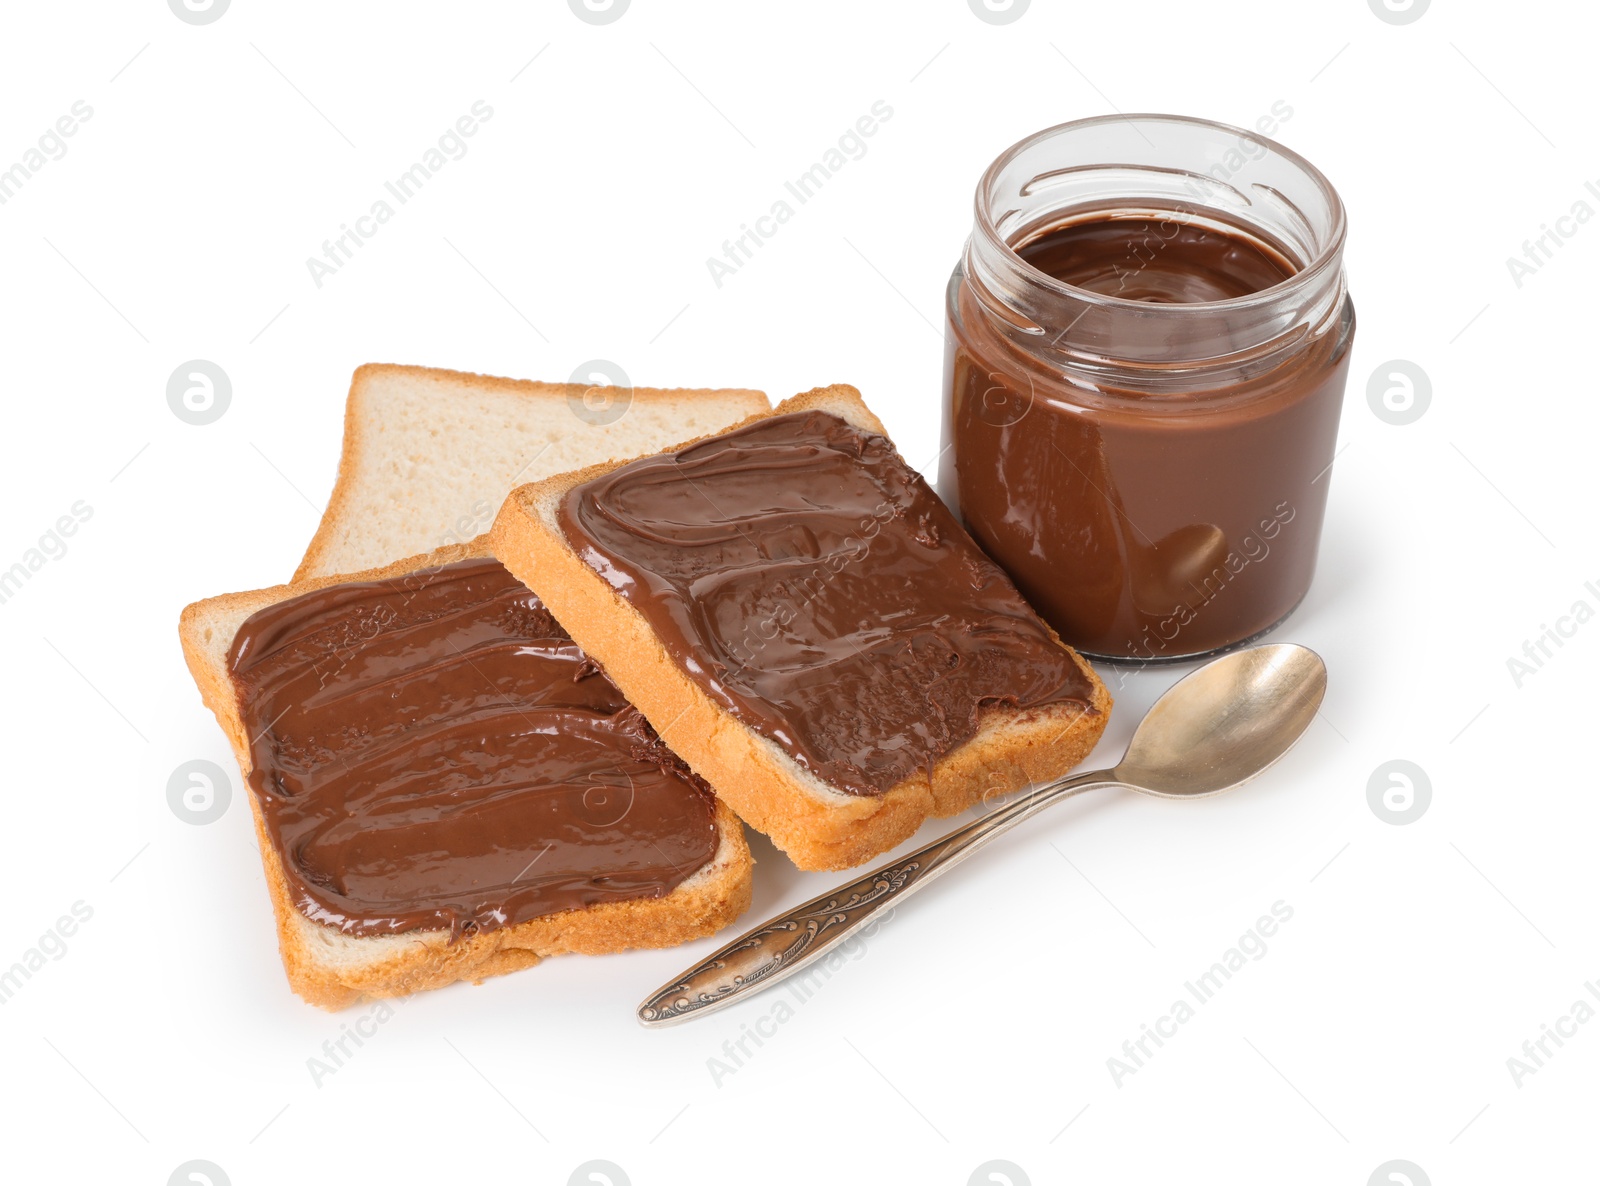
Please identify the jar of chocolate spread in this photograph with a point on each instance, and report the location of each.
(1146, 348)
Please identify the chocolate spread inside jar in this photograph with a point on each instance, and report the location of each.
(1144, 368)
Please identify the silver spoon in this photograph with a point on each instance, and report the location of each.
(1214, 729)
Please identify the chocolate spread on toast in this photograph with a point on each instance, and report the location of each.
(814, 586)
(432, 751)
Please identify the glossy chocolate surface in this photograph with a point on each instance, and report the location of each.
(1156, 260)
(815, 587)
(432, 751)
(1151, 523)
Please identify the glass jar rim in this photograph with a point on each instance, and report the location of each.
(1329, 256)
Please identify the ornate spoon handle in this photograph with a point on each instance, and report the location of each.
(784, 945)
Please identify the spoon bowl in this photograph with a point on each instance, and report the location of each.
(1225, 723)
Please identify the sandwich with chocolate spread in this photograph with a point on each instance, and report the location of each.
(445, 787)
(799, 617)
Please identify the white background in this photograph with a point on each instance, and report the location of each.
(978, 1024)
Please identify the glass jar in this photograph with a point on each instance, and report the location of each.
(1146, 347)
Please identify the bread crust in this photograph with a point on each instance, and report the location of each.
(334, 970)
(339, 513)
(818, 827)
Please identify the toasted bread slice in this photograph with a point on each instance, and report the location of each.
(816, 824)
(429, 455)
(331, 969)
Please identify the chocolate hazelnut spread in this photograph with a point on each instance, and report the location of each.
(814, 586)
(1164, 261)
(1146, 353)
(432, 751)
(1152, 530)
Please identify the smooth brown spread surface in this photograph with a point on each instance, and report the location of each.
(816, 588)
(1141, 528)
(1156, 260)
(432, 751)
